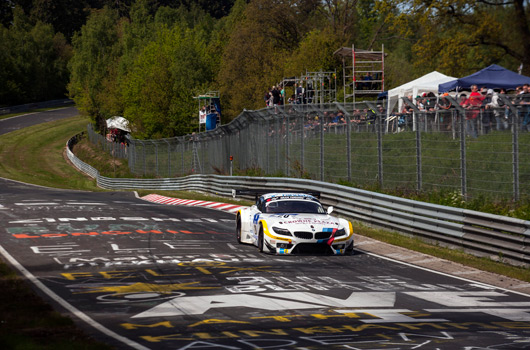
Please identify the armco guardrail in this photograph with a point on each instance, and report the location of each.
(494, 236)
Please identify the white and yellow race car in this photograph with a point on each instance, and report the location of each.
(293, 223)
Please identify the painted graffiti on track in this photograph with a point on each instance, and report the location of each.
(174, 277)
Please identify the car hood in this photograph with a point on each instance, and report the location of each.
(302, 221)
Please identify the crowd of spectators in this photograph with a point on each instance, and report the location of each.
(302, 95)
(483, 108)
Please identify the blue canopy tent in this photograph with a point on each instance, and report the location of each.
(492, 77)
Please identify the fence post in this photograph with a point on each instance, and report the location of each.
(302, 144)
(379, 126)
(515, 156)
(419, 178)
(267, 146)
(348, 137)
(321, 148)
(156, 158)
(463, 161)
(277, 122)
(287, 122)
(168, 158)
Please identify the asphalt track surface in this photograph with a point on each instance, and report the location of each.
(29, 119)
(142, 275)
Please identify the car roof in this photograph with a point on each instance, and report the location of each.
(289, 195)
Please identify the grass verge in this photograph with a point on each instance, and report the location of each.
(35, 155)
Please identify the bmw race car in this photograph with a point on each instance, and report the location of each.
(293, 223)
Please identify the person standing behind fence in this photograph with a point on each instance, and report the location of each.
(445, 106)
(496, 105)
(472, 105)
(276, 96)
(267, 98)
(299, 94)
(524, 102)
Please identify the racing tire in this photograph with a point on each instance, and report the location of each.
(350, 250)
(238, 229)
(260, 239)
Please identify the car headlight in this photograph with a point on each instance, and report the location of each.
(281, 231)
(341, 232)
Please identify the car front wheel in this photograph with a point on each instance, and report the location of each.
(238, 229)
(260, 239)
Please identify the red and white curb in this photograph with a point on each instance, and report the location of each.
(155, 198)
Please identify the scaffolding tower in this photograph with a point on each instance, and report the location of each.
(363, 72)
(318, 87)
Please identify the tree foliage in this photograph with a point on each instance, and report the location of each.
(461, 36)
(158, 91)
(96, 52)
(33, 61)
(146, 59)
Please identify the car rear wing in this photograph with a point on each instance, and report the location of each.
(261, 191)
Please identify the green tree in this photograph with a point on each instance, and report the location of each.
(33, 61)
(96, 52)
(253, 58)
(158, 91)
(460, 36)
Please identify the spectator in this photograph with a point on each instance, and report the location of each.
(472, 105)
(524, 102)
(276, 95)
(267, 98)
(445, 106)
(405, 116)
(496, 105)
(299, 94)
(337, 119)
(470, 115)
(202, 114)
(367, 78)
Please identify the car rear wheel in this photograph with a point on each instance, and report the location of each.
(238, 229)
(260, 239)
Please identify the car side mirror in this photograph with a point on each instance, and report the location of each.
(330, 209)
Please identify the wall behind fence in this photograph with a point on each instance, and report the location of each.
(497, 237)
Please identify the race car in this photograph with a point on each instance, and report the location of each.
(293, 223)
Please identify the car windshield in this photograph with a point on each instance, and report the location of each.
(294, 206)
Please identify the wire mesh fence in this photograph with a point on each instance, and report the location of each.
(469, 151)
